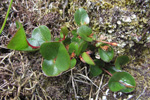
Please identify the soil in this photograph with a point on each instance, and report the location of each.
(20, 72)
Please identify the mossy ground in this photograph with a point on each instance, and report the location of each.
(123, 21)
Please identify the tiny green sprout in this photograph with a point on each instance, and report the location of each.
(11, 1)
(60, 55)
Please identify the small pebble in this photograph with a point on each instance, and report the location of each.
(110, 31)
(126, 19)
(118, 22)
(130, 96)
(133, 16)
(104, 98)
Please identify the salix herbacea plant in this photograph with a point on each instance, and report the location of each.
(61, 54)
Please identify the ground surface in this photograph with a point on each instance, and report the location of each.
(126, 22)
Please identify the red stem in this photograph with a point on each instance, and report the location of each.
(107, 71)
(113, 43)
(81, 59)
(72, 55)
(89, 52)
(33, 47)
(62, 39)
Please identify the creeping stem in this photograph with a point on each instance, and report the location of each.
(62, 39)
(6, 16)
(107, 72)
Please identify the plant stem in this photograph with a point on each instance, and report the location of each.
(81, 59)
(62, 39)
(113, 43)
(107, 71)
(6, 16)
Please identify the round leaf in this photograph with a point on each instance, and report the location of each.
(121, 60)
(107, 55)
(81, 17)
(49, 68)
(85, 31)
(41, 34)
(122, 81)
(49, 50)
(95, 70)
(86, 57)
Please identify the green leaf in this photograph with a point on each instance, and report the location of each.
(67, 41)
(49, 68)
(73, 47)
(30, 49)
(95, 70)
(113, 69)
(121, 60)
(81, 17)
(18, 24)
(122, 81)
(85, 31)
(82, 47)
(56, 57)
(74, 33)
(33, 42)
(73, 62)
(99, 62)
(18, 42)
(75, 39)
(61, 35)
(86, 57)
(64, 30)
(40, 35)
(49, 50)
(63, 59)
(107, 55)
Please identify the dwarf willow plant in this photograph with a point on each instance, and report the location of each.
(61, 54)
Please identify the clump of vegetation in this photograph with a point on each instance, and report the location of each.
(62, 54)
